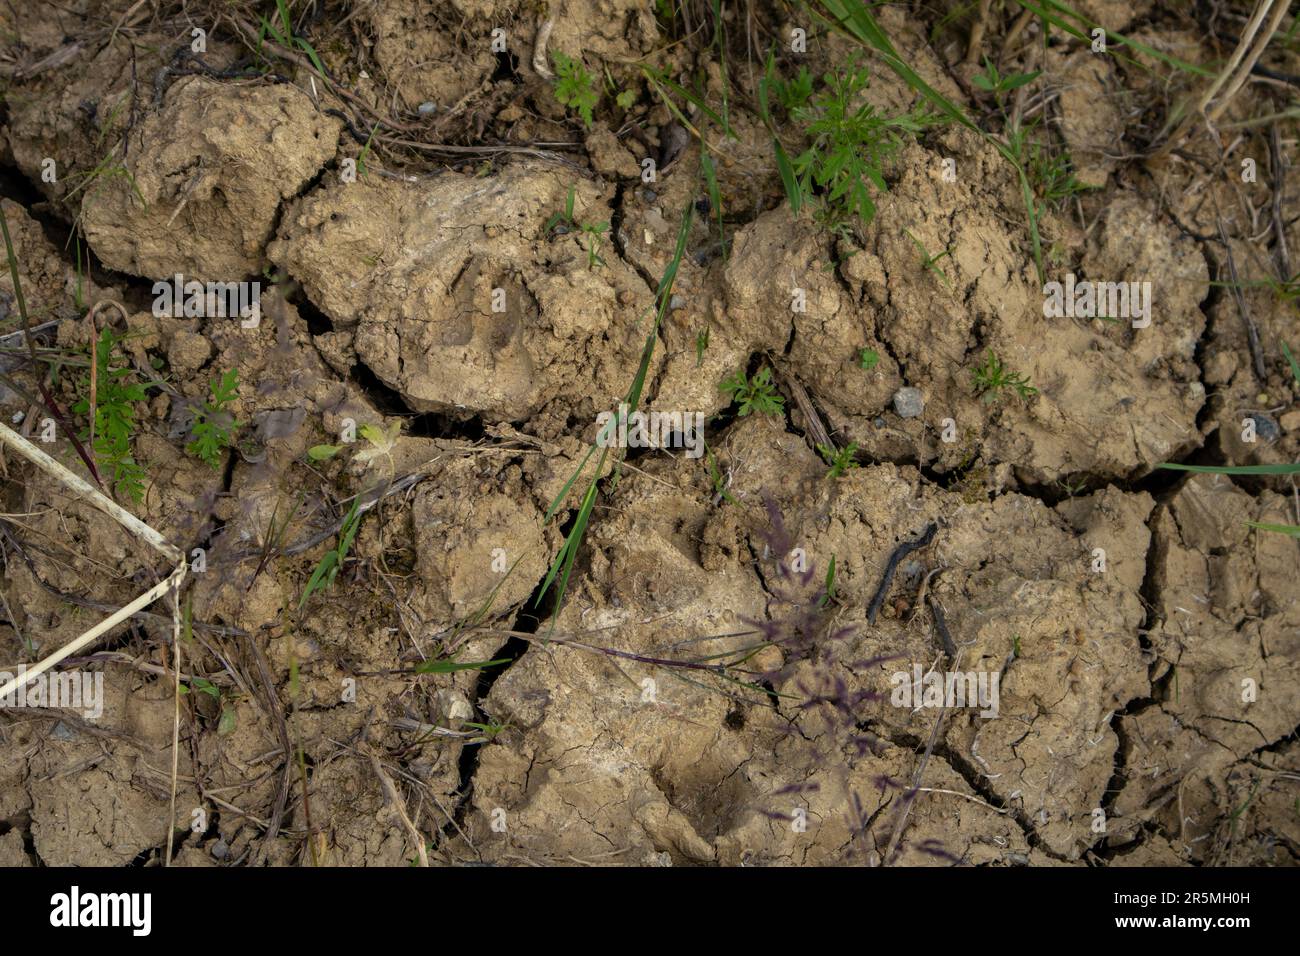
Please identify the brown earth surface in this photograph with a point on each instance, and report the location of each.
(432, 313)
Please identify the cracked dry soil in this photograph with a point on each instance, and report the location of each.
(1146, 712)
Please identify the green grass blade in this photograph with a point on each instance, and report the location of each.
(1292, 530)
(788, 178)
(448, 667)
(660, 80)
(1295, 366)
(715, 194)
(562, 566)
(283, 8)
(311, 55)
(1051, 10)
(568, 485)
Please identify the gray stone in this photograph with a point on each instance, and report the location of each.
(908, 402)
(1265, 428)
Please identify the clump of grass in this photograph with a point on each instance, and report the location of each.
(856, 21)
(816, 654)
(849, 142)
(574, 86)
(756, 394)
(330, 565)
(284, 35)
(594, 231)
(112, 426)
(107, 169)
(1050, 170)
(992, 379)
(214, 427)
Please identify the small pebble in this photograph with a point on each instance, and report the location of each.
(649, 195)
(677, 302)
(426, 109)
(1265, 428)
(908, 402)
(62, 731)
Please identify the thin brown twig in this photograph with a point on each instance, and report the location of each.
(977, 35)
(1252, 331)
(395, 798)
(1278, 172)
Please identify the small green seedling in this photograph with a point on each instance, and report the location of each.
(829, 596)
(361, 157)
(928, 261)
(214, 427)
(1050, 172)
(757, 394)
(701, 345)
(488, 730)
(990, 81)
(574, 86)
(795, 93)
(840, 461)
(226, 722)
(720, 492)
(1285, 290)
(330, 565)
(991, 378)
(115, 423)
(380, 443)
(593, 231)
(868, 359)
(1295, 366)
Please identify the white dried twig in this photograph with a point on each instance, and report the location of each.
(170, 585)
